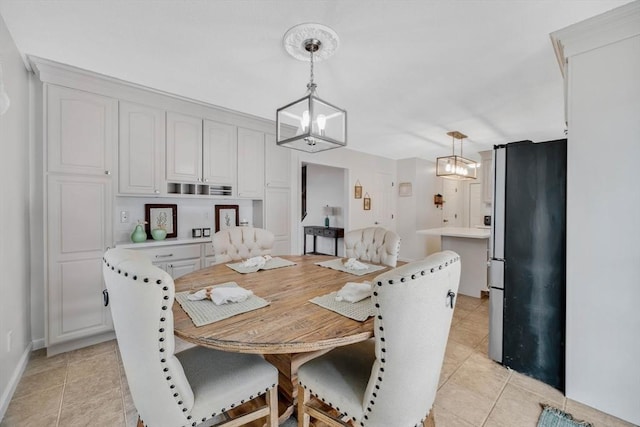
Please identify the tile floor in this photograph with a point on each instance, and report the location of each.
(68, 389)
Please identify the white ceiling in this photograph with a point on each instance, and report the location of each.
(406, 71)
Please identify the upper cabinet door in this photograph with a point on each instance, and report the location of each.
(81, 130)
(250, 164)
(141, 153)
(219, 153)
(277, 164)
(184, 148)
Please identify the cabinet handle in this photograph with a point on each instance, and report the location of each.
(107, 172)
(105, 297)
(164, 256)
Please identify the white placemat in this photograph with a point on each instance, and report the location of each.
(338, 264)
(359, 311)
(205, 311)
(275, 262)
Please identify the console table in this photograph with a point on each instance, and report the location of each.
(315, 231)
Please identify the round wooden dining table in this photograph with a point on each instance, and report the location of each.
(288, 331)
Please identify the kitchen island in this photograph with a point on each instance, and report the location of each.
(472, 246)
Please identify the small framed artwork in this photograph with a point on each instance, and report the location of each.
(404, 189)
(162, 216)
(357, 190)
(227, 216)
(367, 202)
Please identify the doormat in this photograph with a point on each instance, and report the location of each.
(554, 417)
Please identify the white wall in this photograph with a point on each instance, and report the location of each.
(603, 213)
(418, 212)
(14, 221)
(325, 186)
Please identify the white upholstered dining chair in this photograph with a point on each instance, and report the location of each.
(374, 244)
(237, 243)
(390, 380)
(181, 389)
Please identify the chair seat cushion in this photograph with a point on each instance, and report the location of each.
(340, 377)
(220, 379)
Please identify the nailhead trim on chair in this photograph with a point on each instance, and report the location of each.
(383, 350)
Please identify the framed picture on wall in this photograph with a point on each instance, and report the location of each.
(367, 202)
(227, 216)
(161, 216)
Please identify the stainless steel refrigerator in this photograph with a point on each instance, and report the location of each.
(527, 266)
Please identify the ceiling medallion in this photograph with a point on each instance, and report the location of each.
(311, 124)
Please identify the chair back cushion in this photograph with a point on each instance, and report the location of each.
(374, 244)
(237, 243)
(412, 322)
(141, 296)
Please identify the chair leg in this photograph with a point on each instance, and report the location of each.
(272, 401)
(304, 395)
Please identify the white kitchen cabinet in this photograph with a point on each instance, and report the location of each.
(141, 149)
(250, 164)
(177, 260)
(277, 164)
(184, 148)
(79, 229)
(278, 218)
(219, 153)
(81, 127)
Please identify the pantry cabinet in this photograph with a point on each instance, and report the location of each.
(184, 148)
(141, 149)
(250, 164)
(219, 153)
(81, 127)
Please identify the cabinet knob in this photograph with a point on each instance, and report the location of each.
(205, 180)
(156, 191)
(107, 172)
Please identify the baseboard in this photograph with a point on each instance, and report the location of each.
(37, 344)
(13, 382)
(64, 347)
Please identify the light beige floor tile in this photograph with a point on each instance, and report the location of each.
(105, 410)
(445, 418)
(40, 380)
(45, 403)
(467, 302)
(516, 407)
(37, 420)
(94, 350)
(549, 393)
(465, 335)
(91, 385)
(482, 328)
(597, 418)
(86, 367)
(464, 403)
(39, 362)
(455, 355)
(482, 376)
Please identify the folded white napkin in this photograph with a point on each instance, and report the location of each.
(354, 264)
(256, 261)
(354, 292)
(221, 294)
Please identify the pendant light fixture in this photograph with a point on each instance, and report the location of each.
(456, 167)
(309, 123)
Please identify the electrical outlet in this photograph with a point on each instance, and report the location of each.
(9, 341)
(124, 216)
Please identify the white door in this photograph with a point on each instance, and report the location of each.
(476, 216)
(452, 208)
(278, 219)
(381, 201)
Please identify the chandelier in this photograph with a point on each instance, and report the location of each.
(311, 124)
(456, 167)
